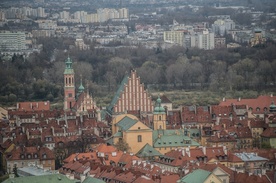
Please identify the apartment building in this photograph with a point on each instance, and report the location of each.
(14, 41)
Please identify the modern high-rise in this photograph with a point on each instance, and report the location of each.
(12, 41)
(123, 13)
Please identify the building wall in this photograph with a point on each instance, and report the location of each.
(176, 37)
(213, 178)
(131, 137)
(134, 97)
(12, 41)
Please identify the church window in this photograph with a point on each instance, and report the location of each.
(69, 80)
(159, 117)
(70, 94)
(66, 80)
(139, 138)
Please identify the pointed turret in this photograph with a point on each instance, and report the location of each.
(81, 88)
(159, 116)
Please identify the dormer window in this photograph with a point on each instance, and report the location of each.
(35, 155)
(29, 156)
(257, 109)
(265, 109)
(22, 156)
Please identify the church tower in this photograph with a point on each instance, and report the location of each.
(159, 116)
(69, 85)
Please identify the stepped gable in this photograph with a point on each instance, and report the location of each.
(258, 105)
(131, 96)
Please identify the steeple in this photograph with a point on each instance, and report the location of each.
(69, 85)
(68, 66)
(81, 88)
(159, 116)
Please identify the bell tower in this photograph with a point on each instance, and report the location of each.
(159, 116)
(69, 85)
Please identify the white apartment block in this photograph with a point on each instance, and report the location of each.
(174, 37)
(12, 41)
(123, 13)
(221, 26)
(203, 40)
(47, 24)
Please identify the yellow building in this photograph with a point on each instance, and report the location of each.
(128, 128)
(5, 149)
(164, 140)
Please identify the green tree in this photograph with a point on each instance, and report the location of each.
(122, 145)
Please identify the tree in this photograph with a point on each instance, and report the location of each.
(119, 67)
(122, 145)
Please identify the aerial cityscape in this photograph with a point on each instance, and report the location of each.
(138, 91)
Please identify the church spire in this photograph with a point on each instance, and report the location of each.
(69, 84)
(81, 88)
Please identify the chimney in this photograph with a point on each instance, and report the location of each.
(249, 124)
(53, 131)
(204, 150)
(188, 151)
(183, 152)
(225, 150)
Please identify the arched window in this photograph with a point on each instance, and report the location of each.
(139, 138)
(160, 117)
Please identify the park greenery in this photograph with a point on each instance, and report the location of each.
(187, 76)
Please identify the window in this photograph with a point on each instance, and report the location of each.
(159, 117)
(70, 94)
(139, 138)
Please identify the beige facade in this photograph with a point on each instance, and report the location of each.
(136, 136)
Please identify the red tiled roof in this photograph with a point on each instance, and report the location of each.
(270, 132)
(261, 102)
(169, 178)
(33, 106)
(244, 177)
